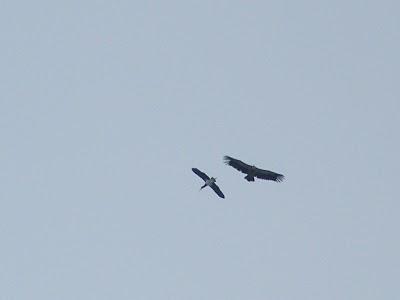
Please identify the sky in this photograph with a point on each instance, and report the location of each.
(106, 106)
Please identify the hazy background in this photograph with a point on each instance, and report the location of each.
(105, 106)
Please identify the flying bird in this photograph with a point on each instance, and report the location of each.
(208, 182)
(252, 171)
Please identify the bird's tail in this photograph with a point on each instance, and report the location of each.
(203, 187)
(249, 178)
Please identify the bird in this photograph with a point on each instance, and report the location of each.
(252, 171)
(208, 182)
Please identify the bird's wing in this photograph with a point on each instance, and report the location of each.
(237, 164)
(217, 190)
(200, 174)
(268, 175)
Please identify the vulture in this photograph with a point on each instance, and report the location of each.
(208, 182)
(252, 171)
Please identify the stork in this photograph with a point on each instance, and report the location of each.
(252, 171)
(208, 182)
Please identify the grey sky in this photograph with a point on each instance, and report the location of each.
(105, 107)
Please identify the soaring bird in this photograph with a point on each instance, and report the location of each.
(252, 171)
(208, 182)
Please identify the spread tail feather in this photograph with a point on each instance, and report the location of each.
(249, 178)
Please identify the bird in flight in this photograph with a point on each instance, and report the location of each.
(252, 171)
(208, 182)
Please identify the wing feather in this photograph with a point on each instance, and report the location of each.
(217, 190)
(268, 175)
(200, 174)
(237, 164)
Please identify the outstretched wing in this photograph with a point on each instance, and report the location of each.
(217, 190)
(268, 175)
(237, 164)
(200, 174)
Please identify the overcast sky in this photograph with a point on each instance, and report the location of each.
(105, 106)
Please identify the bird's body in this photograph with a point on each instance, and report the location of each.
(208, 182)
(252, 171)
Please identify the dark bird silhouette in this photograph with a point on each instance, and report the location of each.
(252, 171)
(208, 182)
